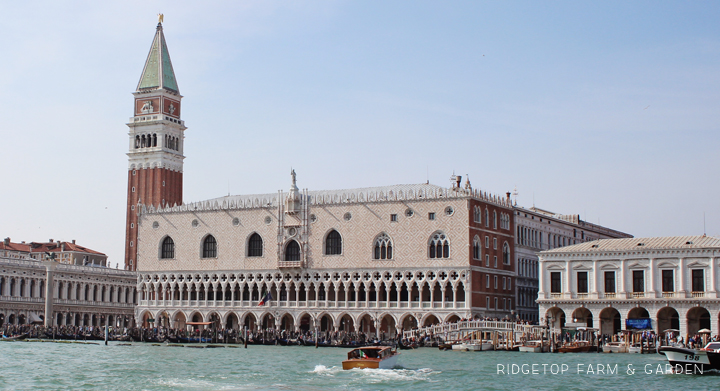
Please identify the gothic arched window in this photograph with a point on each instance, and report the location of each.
(382, 248)
(506, 254)
(494, 220)
(168, 249)
(476, 248)
(439, 246)
(477, 216)
(333, 243)
(292, 251)
(255, 246)
(209, 247)
(487, 217)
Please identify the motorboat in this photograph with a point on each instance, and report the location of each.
(375, 357)
(532, 347)
(470, 346)
(615, 347)
(635, 348)
(575, 347)
(690, 360)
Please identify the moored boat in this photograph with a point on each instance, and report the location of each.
(377, 357)
(615, 347)
(575, 347)
(532, 347)
(470, 346)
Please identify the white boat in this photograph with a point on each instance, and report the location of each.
(615, 347)
(487, 345)
(468, 346)
(635, 348)
(376, 357)
(532, 347)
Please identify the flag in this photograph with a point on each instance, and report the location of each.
(265, 299)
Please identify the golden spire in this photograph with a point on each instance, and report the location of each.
(160, 18)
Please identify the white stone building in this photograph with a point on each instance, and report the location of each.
(82, 295)
(670, 282)
(538, 230)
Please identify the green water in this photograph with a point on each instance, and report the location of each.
(35, 365)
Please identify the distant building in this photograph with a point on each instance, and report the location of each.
(538, 230)
(68, 253)
(617, 284)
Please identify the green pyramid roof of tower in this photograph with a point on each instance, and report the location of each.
(158, 71)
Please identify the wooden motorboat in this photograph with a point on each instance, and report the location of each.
(377, 357)
(575, 347)
(532, 347)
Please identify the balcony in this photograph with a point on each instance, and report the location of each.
(638, 295)
(581, 296)
(610, 295)
(698, 294)
(289, 264)
(668, 294)
(556, 295)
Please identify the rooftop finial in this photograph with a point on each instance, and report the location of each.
(160, 18)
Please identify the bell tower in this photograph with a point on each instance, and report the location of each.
(156, 135)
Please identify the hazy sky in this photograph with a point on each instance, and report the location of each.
(605, 109)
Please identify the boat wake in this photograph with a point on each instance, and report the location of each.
(379, 375)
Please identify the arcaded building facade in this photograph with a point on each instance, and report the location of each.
(395, 257)
(370, 259)
(616, 284)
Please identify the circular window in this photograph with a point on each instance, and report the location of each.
(268, 220)
(195, 223)
(313, 218)
(409, 212)
(449, 210)
(347, 216)
(292, 231)
(236, 221)
(156, 225)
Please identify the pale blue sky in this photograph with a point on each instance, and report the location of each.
(606, 109)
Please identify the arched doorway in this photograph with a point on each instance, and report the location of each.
(610, 322)
(287, 323)
(668, 319)
(697, 318)
(215, 321)
(556, 318)
(430, 320)
(2, 319)
(367, 325)
(638, 319)
(11, 319)
(326, 323)
(268, 322)
(409, 323)
(347, 324)
(232, 321)
(145, 319)
(387, 327)
(23, 320)
(250, 321)
(453, 319)
(306, 323)
(180, 321)
(583, 315)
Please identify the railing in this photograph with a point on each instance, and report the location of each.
(698, 294)
(93, 303)
(289, 264)
(556, 295)
(609, 295)
(638, 295)
(668, 294)
(473, 325)
(295, 304)
(581, 296)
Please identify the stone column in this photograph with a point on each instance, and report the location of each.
(49, 296)
(682, 280)
(712, 290)
(651, 280)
